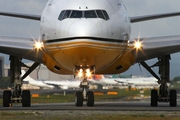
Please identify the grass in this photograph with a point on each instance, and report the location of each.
(60, 98)
(80, 115)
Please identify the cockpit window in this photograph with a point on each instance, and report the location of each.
(76, 14)
(66, 14)
(100, 14)
(83, 14)
(61, 15)
(105, 14)
(90, 14)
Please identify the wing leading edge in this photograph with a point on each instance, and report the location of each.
(157, 46)
(21, 47)
(20, 15)
(151, 17)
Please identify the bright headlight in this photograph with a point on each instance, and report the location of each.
(137, 44)
(38, 45)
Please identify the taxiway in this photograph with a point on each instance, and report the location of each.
(100, 106)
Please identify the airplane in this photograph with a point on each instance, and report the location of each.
(88, 37)
(140, 81)
(101, 80)
(34, 82)
(63, 84)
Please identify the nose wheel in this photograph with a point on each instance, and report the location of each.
(90, 99)
(85, 94)
(79, 99)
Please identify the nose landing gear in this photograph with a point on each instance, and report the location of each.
(84, 95)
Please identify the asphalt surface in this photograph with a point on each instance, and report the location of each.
(100, 106)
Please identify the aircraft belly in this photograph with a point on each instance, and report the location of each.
(103, 55)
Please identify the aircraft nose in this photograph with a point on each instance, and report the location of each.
(83, 28)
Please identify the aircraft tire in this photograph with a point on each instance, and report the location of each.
(26, 98)
(79, 99)
(90, 99)
(154, 98)
(173, 98)
(6, 98)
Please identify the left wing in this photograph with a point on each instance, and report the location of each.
(152, 17)
(157, 46)
(21, 15)
(21, 47)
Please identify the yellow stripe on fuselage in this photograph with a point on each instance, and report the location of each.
(106, 56)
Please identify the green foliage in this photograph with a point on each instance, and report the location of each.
(176, 79)
(5, 82)
(176, 82)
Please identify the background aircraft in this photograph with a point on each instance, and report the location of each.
(38, 83)
(140, 82)
(44, 84)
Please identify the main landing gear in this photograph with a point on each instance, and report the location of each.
(85, 94)
(163, 95)
(17, 95)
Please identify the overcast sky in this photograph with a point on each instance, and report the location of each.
(161, 27)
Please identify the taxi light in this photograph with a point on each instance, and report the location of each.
(81, 70)
(87, 70)
(80, 74)
(88, 74)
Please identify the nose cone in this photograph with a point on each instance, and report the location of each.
(83, 28)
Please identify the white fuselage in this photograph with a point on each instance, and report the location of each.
(142, 81)
(86, 33)
(117, 27)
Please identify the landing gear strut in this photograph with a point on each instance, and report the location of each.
(163, 95)
(85, 94)
(16, 95)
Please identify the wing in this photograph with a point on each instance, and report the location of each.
(21, 47)
(157, 46)
(20, 15)
(151, 17)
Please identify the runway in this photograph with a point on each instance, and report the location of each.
(99, 106)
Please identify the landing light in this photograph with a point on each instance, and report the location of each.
(137, 44)
(84, 73)
(38, 45)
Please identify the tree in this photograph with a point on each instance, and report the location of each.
(5, 82)
(176, 79)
